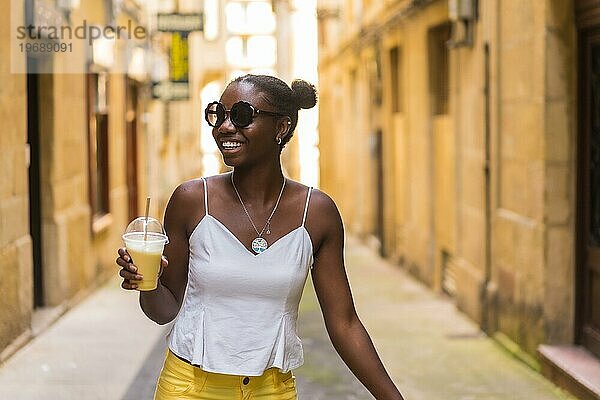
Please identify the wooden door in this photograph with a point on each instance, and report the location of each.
(380, 190)
(132, 148)
(588, 295)
(35, 203)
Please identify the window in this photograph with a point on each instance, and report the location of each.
(322, 32)
(97, 87)
(354, 97)
(250, 17)
(234, 50)
(439, 73)
(251, 52)
(211, 19)
(261, 51)
(396, 82)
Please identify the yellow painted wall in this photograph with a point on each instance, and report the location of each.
(15, 242)
(511, 263)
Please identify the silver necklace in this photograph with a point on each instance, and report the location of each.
(259, 244)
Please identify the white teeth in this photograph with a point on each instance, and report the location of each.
(231, 145)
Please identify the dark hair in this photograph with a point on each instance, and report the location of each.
(286, 100)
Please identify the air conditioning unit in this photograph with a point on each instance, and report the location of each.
(463, 15)
(461, 9)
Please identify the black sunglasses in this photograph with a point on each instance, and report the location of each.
(241, 114)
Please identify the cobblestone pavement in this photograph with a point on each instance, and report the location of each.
(432, 351)
(323, 375)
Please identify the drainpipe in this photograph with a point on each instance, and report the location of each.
(485, 289)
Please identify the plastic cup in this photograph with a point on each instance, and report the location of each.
(145, 241)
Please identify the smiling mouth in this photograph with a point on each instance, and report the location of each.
(231, 145)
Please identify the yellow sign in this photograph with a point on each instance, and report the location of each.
(179, 66)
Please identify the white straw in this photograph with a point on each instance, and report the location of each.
(146, 215)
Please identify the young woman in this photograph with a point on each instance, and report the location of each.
(241, 245)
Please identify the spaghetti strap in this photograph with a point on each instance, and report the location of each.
(306, 206)
(205, 196)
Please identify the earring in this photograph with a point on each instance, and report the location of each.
(278, 141)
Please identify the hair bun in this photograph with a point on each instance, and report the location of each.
(305, 94)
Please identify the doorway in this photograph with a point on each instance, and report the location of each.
(131, 155)
(35, 205)
(588, 191)
(377, 154)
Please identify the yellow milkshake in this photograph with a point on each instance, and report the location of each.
(148, 265)
(146, 256)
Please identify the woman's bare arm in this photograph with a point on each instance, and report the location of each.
(348, 335)
(162, 304)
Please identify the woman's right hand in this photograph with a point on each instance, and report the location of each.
(128, 270)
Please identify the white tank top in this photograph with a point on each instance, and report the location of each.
(240, 309)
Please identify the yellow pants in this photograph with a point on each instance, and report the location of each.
(180, 380)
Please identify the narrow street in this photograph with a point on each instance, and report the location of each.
(106, 349)
(463, 136)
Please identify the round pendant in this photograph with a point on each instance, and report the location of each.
(259, 245)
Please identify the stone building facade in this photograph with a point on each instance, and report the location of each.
(449, 133)
(15, 243)
(82, 150)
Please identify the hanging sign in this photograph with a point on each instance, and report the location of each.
(179, 66)
(179, 22)
(170, 91)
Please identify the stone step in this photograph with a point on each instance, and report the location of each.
(572, 368)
